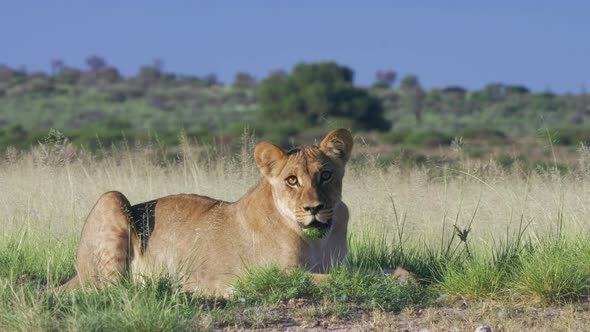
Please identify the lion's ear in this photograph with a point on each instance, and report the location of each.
(338, 144)
(267, 155)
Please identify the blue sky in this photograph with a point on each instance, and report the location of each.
(540, 44)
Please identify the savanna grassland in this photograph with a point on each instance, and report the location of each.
(504, 246)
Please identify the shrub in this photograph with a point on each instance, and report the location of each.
(427, 138)
(317, 92)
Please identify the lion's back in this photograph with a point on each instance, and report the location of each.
(188, 207)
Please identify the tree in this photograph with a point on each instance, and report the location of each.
(455, 89)
(244, 80)
(149, 75)
(315, 92)
(108, 74)
(517, 89)
(211, 79)
(385, 78)
(68, 76)
(453, 99)
(95, 62)
(581, 105)
(412, 96)
(5, 73)
(409, 82)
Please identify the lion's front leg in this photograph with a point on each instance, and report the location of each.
(398, 273)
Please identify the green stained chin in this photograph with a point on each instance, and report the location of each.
(315, 232)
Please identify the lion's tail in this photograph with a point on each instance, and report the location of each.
(70, 284)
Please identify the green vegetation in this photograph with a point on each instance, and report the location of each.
(317, 93)
(548, 272)
(98, 106)
(484, 236)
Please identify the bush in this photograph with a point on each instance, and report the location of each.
(103, 133)
(505, 161)
(571, 136)
(316, 93)
(427, 138)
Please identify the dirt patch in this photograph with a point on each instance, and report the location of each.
(301, 315)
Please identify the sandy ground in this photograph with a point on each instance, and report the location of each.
(461, 316)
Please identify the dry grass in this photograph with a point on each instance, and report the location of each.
(54, 188)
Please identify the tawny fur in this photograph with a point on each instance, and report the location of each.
(206, 243)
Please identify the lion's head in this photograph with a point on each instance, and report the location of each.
(307, 180)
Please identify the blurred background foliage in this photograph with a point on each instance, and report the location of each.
(97, 106)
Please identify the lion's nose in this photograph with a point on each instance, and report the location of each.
(314, 209)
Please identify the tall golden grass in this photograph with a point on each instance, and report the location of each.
(51, 188)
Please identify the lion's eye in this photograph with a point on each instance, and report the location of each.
(326, 175)
(292, 180)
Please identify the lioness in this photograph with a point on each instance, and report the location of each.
(207, 243)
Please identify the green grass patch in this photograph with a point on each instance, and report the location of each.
(36, 259)
(374, 290)
(550, 271)
(555, 272)
(370, 289)
(124, 307)
(271, 285)
(478, 279)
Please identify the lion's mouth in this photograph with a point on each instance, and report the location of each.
(316, 230)
(317, 224)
